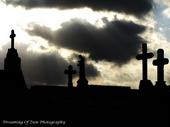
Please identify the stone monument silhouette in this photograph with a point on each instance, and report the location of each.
(12, 66)
(82, 82)
(160, 62)
(70, 73)
(145, 83)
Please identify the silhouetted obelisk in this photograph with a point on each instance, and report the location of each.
(70, 73)
(12, 66)
(160, 62)
(82, 82)
(145, 83)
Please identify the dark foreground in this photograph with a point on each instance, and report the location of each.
(92, 106)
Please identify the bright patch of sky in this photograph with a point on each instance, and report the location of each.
(163, 22)
(19, 19)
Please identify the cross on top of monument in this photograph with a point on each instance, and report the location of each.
(160, 62)
(12, 36)
(144, 56)
(70, 72)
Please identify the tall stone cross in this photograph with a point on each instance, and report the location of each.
(160, 62)
(12, 36)
(82, 76)
(144, 56)
(70, 73)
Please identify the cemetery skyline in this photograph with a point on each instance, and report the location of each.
(49, 38)
(87, 62)
(12, 73)
(74, 104)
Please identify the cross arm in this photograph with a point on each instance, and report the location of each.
(146, 56)
(161, 62)
(166, 61)
(139, 57)
(150, 55)
(155, 62)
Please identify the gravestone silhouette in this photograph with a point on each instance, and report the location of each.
(145, 83)
(160, 62)
(12, 66)
(82, 82)
(70, 73)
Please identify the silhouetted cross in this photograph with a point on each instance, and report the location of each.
(160, 62)
(144, 56)
(12, 36)
(70, 73)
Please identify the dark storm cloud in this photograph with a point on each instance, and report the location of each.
(117, 41)
(135, 7)
(46, 68)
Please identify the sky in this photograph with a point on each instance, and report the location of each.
(50, 34)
